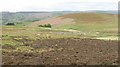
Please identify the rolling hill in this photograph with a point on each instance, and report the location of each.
(75, 20)
(91, 17)
(23, 17)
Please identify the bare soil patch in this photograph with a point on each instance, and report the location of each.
(53, 21)
(70, 51)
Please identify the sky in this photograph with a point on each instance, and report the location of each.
(57, 5)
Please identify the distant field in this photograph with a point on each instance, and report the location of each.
(76, 25)
(91, 24)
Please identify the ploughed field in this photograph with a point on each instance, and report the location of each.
(62, 51)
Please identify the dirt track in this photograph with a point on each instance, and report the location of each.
(65, 52)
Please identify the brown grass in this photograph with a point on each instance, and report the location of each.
(77, 18)
(91, 17)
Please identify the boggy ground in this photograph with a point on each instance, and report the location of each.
(71, 51)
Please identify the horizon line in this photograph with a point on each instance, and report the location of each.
(59, 11)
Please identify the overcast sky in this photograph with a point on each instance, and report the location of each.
(57, 5)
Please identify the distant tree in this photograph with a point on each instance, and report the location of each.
(49, 25)
(46, 25)
(40, 25)
(10, 24)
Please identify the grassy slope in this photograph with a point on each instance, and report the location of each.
(94, 24)
(93, 21)
(82, 21)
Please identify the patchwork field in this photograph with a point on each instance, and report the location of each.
(73, 39)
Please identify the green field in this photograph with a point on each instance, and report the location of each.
(98, 26)
(12, 33)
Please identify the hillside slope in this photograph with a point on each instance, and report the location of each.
(23, 17)
(91, 17)
(79, 18)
